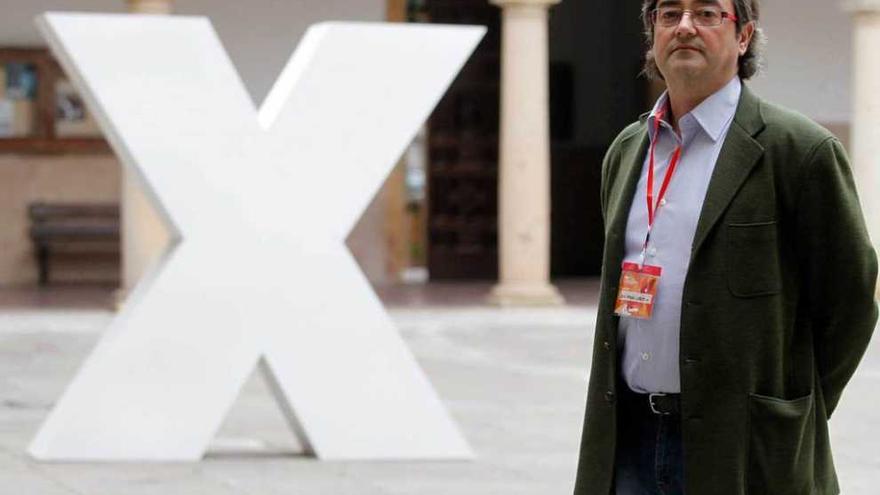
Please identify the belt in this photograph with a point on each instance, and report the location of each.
(664, 404)
(659, 403)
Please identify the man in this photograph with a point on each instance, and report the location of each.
(737, 294)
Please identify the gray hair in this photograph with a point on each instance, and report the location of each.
(745, 10)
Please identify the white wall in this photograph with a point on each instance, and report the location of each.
(808, 58)
(258, 34)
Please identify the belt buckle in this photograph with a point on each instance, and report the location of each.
(651, 402)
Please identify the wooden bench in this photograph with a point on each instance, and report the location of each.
(84, 229)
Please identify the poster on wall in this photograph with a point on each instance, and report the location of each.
(6, 116)
(19, 90)
(72, 118)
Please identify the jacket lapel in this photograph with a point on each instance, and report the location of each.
(621, 196)
(739, 154)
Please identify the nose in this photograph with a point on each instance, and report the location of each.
(686, 25)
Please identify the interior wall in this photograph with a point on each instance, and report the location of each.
(259, 35)
(809, 58)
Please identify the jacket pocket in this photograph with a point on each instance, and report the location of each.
(753, 259)
(781, 445)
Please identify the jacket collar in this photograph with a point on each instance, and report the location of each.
(711, 116)
(748, 112)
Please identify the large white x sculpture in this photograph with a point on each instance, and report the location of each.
(260, 202)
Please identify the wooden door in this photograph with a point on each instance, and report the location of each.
(463, 154)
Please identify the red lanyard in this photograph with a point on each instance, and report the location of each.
(652, 207)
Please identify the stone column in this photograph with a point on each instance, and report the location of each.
(865, 124)
(143, 233)
(524, 168)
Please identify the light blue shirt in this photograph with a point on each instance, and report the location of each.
(650, 360)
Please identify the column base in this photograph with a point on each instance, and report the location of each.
(525, 295)
(119, 297)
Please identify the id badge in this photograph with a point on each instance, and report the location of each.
(637, 291)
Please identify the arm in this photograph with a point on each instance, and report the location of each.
(838, 267)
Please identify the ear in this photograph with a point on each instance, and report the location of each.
(745, 37)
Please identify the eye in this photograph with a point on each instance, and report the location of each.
(669, 14)
(708, 14)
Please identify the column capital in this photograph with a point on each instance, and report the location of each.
(524, 3)
(860, 6)
(149, 6)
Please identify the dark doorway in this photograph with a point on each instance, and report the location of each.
(463, 153)
(595, 91)
(596, 53)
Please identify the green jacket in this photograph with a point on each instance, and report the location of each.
(777, 311)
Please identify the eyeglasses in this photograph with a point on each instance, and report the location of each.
(703, 16)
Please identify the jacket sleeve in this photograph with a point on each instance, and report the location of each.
(838, 267)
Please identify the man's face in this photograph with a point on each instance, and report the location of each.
(696, 53)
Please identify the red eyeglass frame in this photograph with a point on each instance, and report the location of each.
(724, 15)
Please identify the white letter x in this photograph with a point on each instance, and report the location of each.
(260, 204)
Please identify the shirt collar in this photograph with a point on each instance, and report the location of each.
(713, 114)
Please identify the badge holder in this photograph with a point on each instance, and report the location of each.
(638, 291)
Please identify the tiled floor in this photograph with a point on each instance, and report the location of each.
(58, 297)
(514, 379)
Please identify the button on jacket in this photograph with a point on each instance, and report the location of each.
(777, 309)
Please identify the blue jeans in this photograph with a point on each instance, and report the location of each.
(649, 450)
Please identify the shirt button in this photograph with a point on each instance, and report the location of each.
(663, 202)
(645, 356)
(652, 251)
(607, 345)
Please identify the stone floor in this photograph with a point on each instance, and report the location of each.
(513, 378)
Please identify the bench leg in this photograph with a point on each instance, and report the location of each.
(43, 263)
